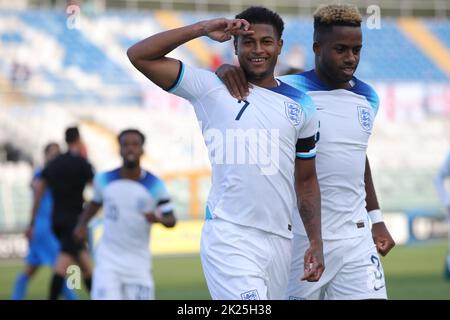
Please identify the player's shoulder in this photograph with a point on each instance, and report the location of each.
(305, 81)
(297, 95)
(188, 71)
(37, 174)
(152, 182)
(149, 178)
(364, 89)
(103, 178)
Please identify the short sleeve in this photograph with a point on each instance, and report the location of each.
(192, 83)
(164, 204)
(97, 196)
(89, 171)
(311, 120)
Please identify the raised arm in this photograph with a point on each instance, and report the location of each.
(308, 198)
(149, 55)
(380, 234)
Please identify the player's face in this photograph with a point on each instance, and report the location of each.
(338, 54)
(131, 149)
(258, 53)
(52, 152)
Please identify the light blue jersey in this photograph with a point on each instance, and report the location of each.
(44, 247)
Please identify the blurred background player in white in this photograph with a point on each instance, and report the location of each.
(132, 199)
(43, 245)
(346, 108)
(246, 239)
(443, 175)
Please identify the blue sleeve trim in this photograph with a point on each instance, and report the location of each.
(178, 80)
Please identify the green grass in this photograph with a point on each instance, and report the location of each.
(412, 272)
(416, 272)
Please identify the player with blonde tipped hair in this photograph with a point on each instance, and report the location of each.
(347, 107)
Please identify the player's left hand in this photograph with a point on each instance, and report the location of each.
(382, 238)
(313, 263)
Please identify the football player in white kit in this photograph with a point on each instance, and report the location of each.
(347, 108)
(257, 148)
(132, 199)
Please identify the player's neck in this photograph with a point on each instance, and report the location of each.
(269, 82)
(130, 173)
(329, 81)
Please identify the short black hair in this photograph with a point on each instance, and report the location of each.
(72, 135)
(135, 131)
(255, 15)
(327, 16)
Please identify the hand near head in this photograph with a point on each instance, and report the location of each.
(313, 263)
(382, 238)
(222, 29)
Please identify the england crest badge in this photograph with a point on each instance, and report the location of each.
(293, 112)
(365, 118)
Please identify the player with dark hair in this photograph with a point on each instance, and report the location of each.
(43, 245)
(347, 108)
(132, 199)
(67, 176)
(261, 150)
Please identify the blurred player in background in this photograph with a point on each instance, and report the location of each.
(441, 177)
(132, 199)
(43, 245)
(346, 107)
(246, 239)
(67, 176)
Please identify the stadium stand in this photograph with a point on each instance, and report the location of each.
(59, 76)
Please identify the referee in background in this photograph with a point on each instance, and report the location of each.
(67, 176)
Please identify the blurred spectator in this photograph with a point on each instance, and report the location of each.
(294, 62)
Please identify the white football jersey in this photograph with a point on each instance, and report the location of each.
(124, 245)
(252, 147)
(345, 125)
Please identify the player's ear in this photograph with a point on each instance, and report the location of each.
(316, 48)
(280, 46)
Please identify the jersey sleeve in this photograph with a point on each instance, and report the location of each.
(192, 83)
(308, 132)
(163, 204)
(97, 196)
(88, 171)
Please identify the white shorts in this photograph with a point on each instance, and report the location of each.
(353, 271)
(244, 263)
(111, 285)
